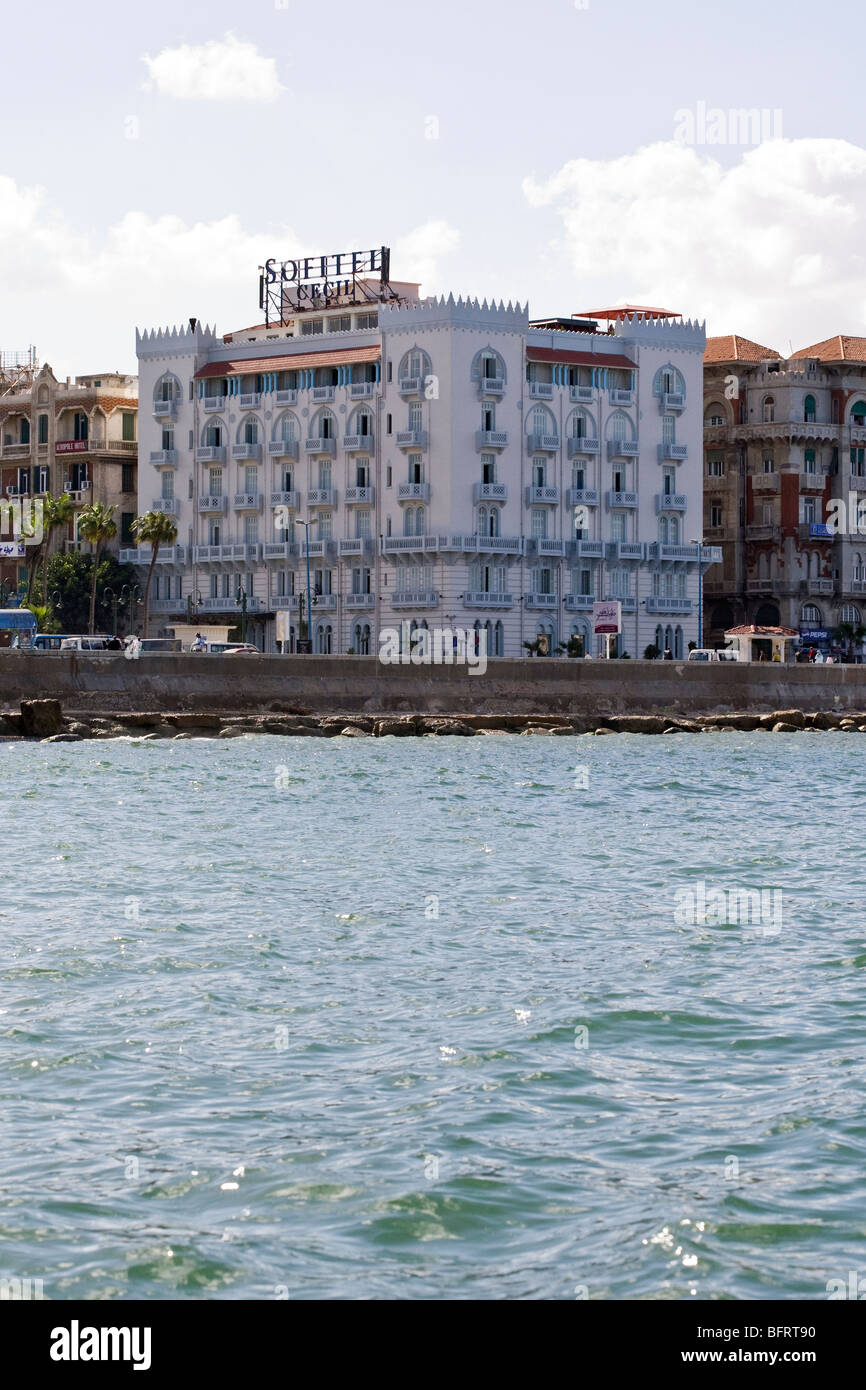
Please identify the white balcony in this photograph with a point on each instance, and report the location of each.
(174, 555)
(540, 390)
(286, 397)
(620, 397)
(164, 458)
(325, 603)
(548, 496)
(323, 393)
(282, 551)
(671, 501)
(490, 439)
(542, 443)
(581, 395)
(319, 550)
(489, 492)
(625, 550)
(410, 385)
(231, 604)
(250, 400)
(360, 602)
(675, 453)
(226, 554)
(211, 453)
(361, 390)
(411, 545)
(679, 554)
(540, 601)
(285, 603)
(247, 451)
(322, 497)
(581, 497)
(415, 598)
(413, 492)
(359, 496)
(213, 502)
(170, 506)
(358, 443)
(587, 550)
(248, 501)
(579, 444)
(319, 445)
(488, 600)
(620, 499)
(491, 386)
(475, 544)
(622, 448)
(671, 401)
(164, 410)
(579, 603)
(213, 403)
(658, 604)
(543, 545)
(291, 500)
(283, 448)
(168, 605)
(355, 547)
(412, 439)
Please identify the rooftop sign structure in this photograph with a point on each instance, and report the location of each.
(313, 283)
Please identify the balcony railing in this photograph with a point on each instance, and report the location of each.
(491, 386)
(671, 502)
(581, 395)
(490, 439)
(412, 439)
(620, 499)
(285, 603)
(542, 443)
(581, 497)
(540, 390)
(322, 497)
(283, 448)
(586, 550)
(536, 600)
(225, 554)
(674, 452)
(618, 396)
(246, 451)
(413, 545)
(410, 385)
(359, 496)
(622, 448)
(672, 401)
(213, 502)
(549, 496)
(170, 506)
(413, 492)
(164, 458)
(658, 604)
(813, 482)
(626, 550)
(248, 501)
(249, 400)
(817, 586)
(168, 605)
(211, 453)
(289, 397)
(489, 492)
(323, 393)
(361, 390)
(361, 601)
(356, 546)
(280, 550)
(765, 482)
(325, 603)
(213, 403)
(164, 410)
(166, 555)
(230, 604)
(488, 600)
(319, 445)
(359, 443)
(580, 444)
(579, 603)
(291, 500)
(541, 545)
(415, 598)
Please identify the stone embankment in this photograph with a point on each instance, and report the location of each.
(45, 720)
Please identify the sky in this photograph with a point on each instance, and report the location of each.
(572, 155)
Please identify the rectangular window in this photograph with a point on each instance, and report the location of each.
(416, 415)
(126, 534)
(809, 461)
(168, 438)
(368, 321)
(324, 526)
(617, 526)
(539, 523)
(311, 326)
(42, 429)
(127, 478)
(251, 530)
(388, 476)
(167, 487)
(127, 426)
(769, 465)
(215, 477)
(324, 474)
(715, 515)
(715, 468)
(416, 468)
(340, 323)
(362, 524)
(488, 468)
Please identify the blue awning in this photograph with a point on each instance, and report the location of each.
(17, 620)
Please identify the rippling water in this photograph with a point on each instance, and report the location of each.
(417, 1018)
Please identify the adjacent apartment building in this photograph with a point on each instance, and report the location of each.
(785, 454)
(457, 465)
(75, 436)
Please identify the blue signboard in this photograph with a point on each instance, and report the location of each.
(820, 528)
(814, 634)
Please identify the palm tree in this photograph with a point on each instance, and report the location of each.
(96, 525)
(850, 634)
(57, 512)
(154, 529)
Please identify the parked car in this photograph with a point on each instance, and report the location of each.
(710, 654)
(160, 644)
(48, 641)
(94, 642)
(229, 649)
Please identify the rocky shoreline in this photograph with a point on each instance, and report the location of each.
(45, 720)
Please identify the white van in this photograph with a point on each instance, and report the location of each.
(84, 644)
(710, 654)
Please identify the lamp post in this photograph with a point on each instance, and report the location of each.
(133, 597)
(241, 599)
(700, 544)
(309, 637)
(109, 593)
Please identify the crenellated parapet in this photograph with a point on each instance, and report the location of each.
(166, 342)
(439, 312)
(651, 331)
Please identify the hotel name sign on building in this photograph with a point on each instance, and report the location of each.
(319, 282)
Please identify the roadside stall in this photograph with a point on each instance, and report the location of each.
(755, 643)
(17, 627)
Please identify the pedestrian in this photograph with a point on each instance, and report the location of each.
(668, 656)
(199, 645)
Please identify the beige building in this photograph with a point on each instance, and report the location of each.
(784, 459)
(76, 436)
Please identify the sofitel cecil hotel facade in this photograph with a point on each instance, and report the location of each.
(457, 464)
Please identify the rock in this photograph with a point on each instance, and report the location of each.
(394, 728)
(187, 721)
(138, 721)
(351, 732)
(603, 730)
(453, 728)
(227, 733)
(638, 723)
(567, 733)
(63, 738)
(784, 716)
(76, 727)
(41, 718)
(537, 729)
(783, 728)
(10, 724)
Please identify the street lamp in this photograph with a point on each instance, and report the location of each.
(109, 593)
(700, 544)
(241, 599)
(309, 637)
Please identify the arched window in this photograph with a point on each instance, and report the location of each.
(660, 639)
(809, 409)
(488, 365)
(675, 530)
(669, 381)
(286, 428)
(541, 421)
(767, 615)
(361, 422)
(768, 410)
(499, 640)
(415, 364)
(323, 425)
(167, 388)
(581, 425)
(248, 430)
(858, 413)
(850, 614)
(213, 434)
(619, 426)
(664, 533)
(324, 639)
(715, 415)
(678, 643)
(810, 613)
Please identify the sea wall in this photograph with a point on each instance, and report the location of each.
(350, 684)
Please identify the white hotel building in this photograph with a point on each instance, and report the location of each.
(458, 465)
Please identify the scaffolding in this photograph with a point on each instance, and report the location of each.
(18, 368)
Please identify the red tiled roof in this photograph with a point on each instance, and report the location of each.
(288, 362)
(732, 348)
(622, 311)
(582, 359)
(841, 348)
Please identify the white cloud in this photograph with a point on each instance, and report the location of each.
(80, 301)
(771, 247)
(226, 69)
